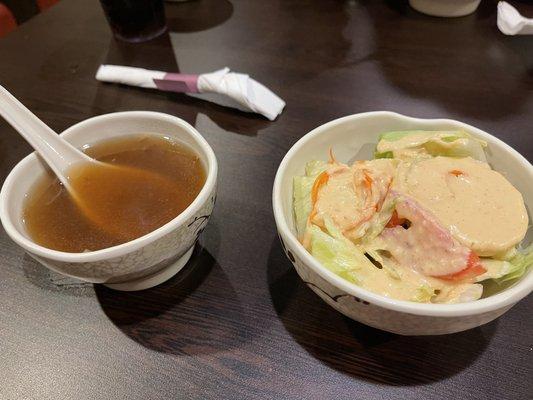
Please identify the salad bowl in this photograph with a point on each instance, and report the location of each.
(445, 8)
(352, 138)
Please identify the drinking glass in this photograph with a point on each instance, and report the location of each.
(135, 20)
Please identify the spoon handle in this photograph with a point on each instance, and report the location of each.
(58, 154)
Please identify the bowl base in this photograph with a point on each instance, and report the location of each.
(155, 279)
(445, 8)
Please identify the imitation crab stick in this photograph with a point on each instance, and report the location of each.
(473, 269)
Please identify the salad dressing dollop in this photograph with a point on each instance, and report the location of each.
(477, 204)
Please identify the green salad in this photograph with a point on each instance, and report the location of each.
(427, 220)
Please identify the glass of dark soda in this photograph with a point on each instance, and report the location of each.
(135, 20)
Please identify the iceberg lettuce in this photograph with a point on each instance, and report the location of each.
(350, 262)
(418, 143)
(315, 168)
(302, 186)
(380, 219)
(459, 293)
(423, 294)
(502, 271)
(520, 263)
(339, 256)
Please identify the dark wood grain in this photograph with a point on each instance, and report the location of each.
(238, 322)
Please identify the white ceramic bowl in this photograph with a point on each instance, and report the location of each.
(140, 263)
(445, 8)
(354, 137)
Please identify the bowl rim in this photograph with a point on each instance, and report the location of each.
(507, 297)
(124, 248)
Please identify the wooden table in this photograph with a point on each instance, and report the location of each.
(238, 322)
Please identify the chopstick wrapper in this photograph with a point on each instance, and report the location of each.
(511, 22)
(239, 90)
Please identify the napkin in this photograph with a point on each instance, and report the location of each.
(244, 92)
(511, 22)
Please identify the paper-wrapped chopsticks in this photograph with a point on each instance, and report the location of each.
(511, 22)
(247, 94)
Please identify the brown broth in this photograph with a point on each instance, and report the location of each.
(55, 220)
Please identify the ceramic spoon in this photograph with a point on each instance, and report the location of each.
(55, 151)
(63, 159)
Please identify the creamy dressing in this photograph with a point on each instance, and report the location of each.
(458, 293)
(338, 199)
(400, 282)
(352, 195)
(397, 283)
(408, 154)
(425, 246)
(477, 204)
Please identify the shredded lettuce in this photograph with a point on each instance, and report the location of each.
(444, 135)
(502, 271)
(430, 143)
(302, 186)
(385, 154)
(423, 294)
(315, 168)
(350, 262)
(520, 263)
(380, 219)
(459, 147)
(339, 256)
(495, 269)
(389, 269)
(396, 135)
(459, 293)
(332, 229)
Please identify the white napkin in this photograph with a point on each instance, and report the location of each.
(244, 92)
(129, 76)
(511, 22)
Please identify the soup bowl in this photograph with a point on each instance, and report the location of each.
(137, 264)
(354, 137)
(445, 8)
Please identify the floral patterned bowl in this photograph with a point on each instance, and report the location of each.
(445, 8)
(354, 137)
(140, 263)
